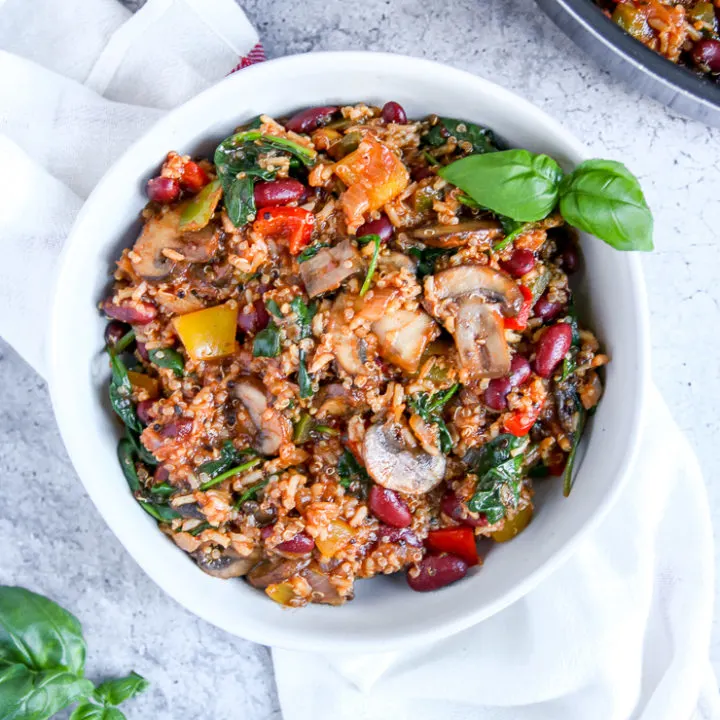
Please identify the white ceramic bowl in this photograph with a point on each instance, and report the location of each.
(385, 614)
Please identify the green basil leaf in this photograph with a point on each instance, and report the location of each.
(242, 140)
(516, 183)
(274, 308)
(168, 358)
(312, 251)
(427, 257)
(240, 200)
(304, 379)
(229, 457)
(120, 392)
(88, 711)
(229, 473)
(373, 262)
(161, 513)
(26, 694)
(38, 633)
(481, 139)
(115, 692)
(304, 314)
(603, 198)
(568, 479)
(126, 455)
(251, 492)
(267, 342)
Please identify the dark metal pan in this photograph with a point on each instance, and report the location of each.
(677, 87)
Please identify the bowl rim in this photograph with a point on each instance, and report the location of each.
(676, 78)
(300, 638)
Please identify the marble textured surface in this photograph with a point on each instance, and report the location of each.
(55, 541)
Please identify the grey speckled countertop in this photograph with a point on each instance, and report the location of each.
(54, 539)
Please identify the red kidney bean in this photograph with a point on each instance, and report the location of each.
(706, 54)
(162, 190)
(178, 429)
(256, 319)
(301, 544)
(519, 370)
(393, 112)
(278, 192)
(551, 348)
(569, 259)
(307, 120)
(496, 393)
(546, 310)
(521, 262)
(114, 330)
(387, 506)
(453, 507)
(421, 172)
(382, 227)
(398, 535)
(266, 532)
(161, 475)
(498, 388)
(142, 350)
(129, 311)
(143, 411)
(437, 571)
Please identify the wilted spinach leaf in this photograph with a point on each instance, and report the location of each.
(304, 314)
(427, 257)
(168, 358)
(267, 342)
(304, 380)
(429, 409)
(121, 393)
(481, 139)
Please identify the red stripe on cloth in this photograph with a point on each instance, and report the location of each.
(256, 55)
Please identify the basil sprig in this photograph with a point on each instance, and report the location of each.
(42, 663)
(601, 197)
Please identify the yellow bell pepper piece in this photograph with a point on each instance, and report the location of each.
(377, 173)
(514, 526)
(339, 535)
(210, 333)
(141, 381)
(282, 593)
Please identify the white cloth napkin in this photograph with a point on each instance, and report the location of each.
(621, 631)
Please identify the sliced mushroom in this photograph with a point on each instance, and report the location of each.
(224, 563)
(323, 591)
(393, 463)
(350, 350)
(480, 340)
(170, 302)
(396, 261)
(403, 336)
(162, 232)
(491, 284)
(273, 429)
(452, 236)
(335, 400)
(330, 268)
(270, 572)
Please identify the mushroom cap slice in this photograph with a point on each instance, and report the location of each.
(273, 429)
(162, 232)
(330, 268)
(392, 463)
(452, 236)
(480, 340)
(455, 282)
(226, 564)
(277, 570)
(403, 336)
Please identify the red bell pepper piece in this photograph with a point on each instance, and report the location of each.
(520, 321)
(292, 224)
(194, 178)
(520, 422)
(458, 541)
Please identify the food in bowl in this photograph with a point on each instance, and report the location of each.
(348, 345)
(685, 32)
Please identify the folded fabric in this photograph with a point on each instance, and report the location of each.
(621, 631)
(79, 81)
